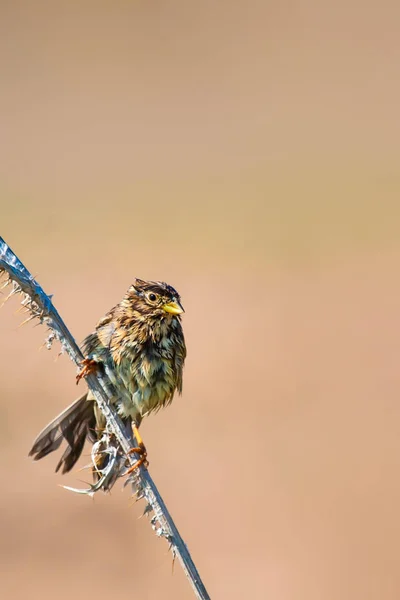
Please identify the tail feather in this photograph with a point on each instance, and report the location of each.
(76, 423)
(74, 449)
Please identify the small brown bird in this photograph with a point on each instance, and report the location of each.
(140, 345)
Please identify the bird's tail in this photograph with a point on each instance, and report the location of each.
(75, 424)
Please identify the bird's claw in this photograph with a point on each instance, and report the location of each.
(141, 450)
(89, 366)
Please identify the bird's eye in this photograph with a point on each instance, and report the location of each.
(152, 297)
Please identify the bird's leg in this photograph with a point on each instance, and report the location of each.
(139, 449)
(89, 366)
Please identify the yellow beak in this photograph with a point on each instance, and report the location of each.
(175, 308)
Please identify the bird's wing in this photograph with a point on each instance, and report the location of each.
(101, 337)
(105, 330)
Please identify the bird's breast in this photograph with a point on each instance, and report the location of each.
(149, 379)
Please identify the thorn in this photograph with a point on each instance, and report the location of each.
(153, 520)
(126, 483)
(21, 308)
(85, 482)
(89, 492)
(27, 320)
(16, 290)
(147, 510)
(173, 562)
(13, 291)
(84, 468)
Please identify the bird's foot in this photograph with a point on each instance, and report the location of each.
(141, 461)
(139, 449)
(89, 366)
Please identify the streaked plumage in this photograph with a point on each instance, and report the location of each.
(141, 346)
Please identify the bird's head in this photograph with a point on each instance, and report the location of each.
(156, 298)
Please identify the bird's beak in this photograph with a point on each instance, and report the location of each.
(175, 308)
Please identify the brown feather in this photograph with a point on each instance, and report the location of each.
(142, 349)
(74, 424)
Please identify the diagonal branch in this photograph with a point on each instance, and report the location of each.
(39, 305)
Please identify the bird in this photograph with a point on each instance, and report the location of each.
(141, 347)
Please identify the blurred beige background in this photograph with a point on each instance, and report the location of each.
(247, 153)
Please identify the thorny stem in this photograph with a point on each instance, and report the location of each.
(40, 306)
